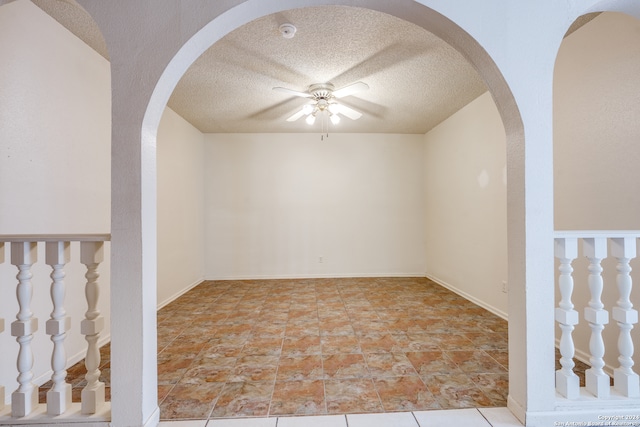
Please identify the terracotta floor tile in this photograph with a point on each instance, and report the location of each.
(475, 362)
(407, 393)
(224, 347)
(336, 327)
(302, 328)
(379, 343)
(183, 348)
(309, 314)
(260, 346)
(300, 368)
(501, 356)
(364, 327)
(171, 368)
(207, 370)
(417, 341)
(432, 362)
(340, 344)
(244, 399)
(454, 341)
(298, 398)
(389, 365)
(494, 386)
(190, 401)
(255, 368)
(341, 366)
(163, 391)
(301, 345)
(351, 396)
(269, 330)
(488, 340)
(456, 391)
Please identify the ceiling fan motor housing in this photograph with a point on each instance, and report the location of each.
(321, 91)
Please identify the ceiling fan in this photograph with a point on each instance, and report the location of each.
(324, 100)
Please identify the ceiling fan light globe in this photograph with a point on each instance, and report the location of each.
(335, 119)
(307, 109)
(311, 119)
(334, 108)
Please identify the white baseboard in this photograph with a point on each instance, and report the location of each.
(154, 419)
(313, 276)
(180, 293)
(469, 297)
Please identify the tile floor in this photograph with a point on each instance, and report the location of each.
(327, 346)
(317, 347)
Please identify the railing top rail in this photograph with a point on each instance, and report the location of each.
(581, 234)
(97, 237)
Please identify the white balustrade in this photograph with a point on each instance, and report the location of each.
(59, 397)
(91, 255)
(623, 247)
(596, 379)
(567, 382)
(625, 380)
(24, 400)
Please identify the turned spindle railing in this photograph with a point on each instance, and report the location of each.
(25, 407)
(596, 246)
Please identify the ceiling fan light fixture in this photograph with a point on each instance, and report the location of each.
(308, 109)
(311, 119)
(323, 101)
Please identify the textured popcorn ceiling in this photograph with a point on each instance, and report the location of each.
(416, 80)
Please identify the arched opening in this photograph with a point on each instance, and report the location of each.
(481, 177)
(596, 156)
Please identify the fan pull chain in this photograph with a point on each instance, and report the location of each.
(324, 126)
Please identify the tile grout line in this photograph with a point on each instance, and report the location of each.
(482, 415)
(324, 383)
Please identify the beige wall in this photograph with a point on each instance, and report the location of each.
(180, 207)
(465, 197)
(277, 203)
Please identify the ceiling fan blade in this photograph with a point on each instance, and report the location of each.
(293, 92)
(295, 116)
(350, 89)
(349, 112)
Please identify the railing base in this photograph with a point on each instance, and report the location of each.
(23, 403)
(626, 383)
(72, 418)
(588, 409)
(59, 401)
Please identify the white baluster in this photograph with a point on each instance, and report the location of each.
(25, 398)
(567, 382)
(597, 381)
(59, 397)
(1, 329)
(625, 380)
(91, 255)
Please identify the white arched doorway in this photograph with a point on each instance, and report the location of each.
(167, 75)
